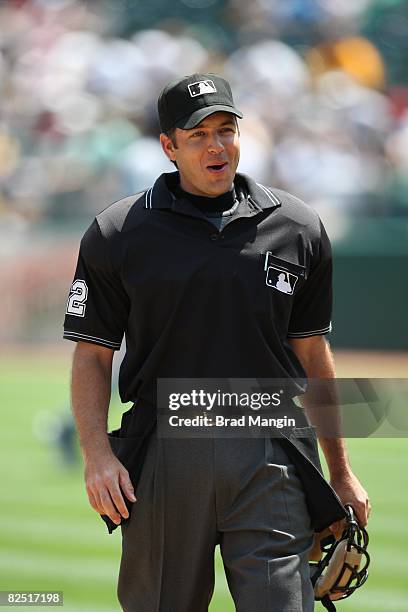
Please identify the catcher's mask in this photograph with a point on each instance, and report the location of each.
(340, 566)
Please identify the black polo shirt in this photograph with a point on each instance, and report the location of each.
(197, 303)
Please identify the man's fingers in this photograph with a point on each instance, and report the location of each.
(92, 500)
(108, 488)
(362, 511)
(361, 508)
(337, 528)
(108, 507)
(362, 517)
(117, 497)
(110, 501)
(126, 486)
(368, 509)
(101, 501)
(352, 493)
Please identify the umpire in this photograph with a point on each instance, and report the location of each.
(208, 274)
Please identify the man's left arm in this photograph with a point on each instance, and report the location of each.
(317, 360)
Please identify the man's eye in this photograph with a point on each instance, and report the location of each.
(227, 129)
(198, 134)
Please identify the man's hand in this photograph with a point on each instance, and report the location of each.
(317, 360)
(106, 481)
(350, 491)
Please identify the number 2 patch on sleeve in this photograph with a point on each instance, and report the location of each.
(76, 304)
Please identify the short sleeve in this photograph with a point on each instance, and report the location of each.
(97, 307)
(312, 307)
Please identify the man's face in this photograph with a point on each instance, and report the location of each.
(207, 156)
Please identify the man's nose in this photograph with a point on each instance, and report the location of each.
(215, 144)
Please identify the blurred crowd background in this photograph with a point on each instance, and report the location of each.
(324, 91)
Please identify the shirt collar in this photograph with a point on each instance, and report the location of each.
(160, 197)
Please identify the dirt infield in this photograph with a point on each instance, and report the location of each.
(371, 364)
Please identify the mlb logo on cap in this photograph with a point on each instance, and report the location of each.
(185, 102)
(202, 87)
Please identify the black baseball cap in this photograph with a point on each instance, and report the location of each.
(185, 102)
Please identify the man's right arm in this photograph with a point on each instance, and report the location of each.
(105, 476)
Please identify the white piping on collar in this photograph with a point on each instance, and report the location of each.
(148, 198)
(150, 202)
(275, 201)
(146, 194)
(270, 195)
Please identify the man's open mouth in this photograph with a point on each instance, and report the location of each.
(217, 167)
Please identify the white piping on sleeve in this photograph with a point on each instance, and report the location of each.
(71, 335)
(314, 332)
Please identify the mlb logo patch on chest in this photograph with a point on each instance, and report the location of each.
(279, 277)
(281, 280)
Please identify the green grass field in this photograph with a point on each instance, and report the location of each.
(50, 539)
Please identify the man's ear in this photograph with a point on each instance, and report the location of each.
(167, 146)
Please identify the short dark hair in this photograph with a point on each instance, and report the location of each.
(172, 135)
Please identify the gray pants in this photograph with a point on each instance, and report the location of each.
(242, 494)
